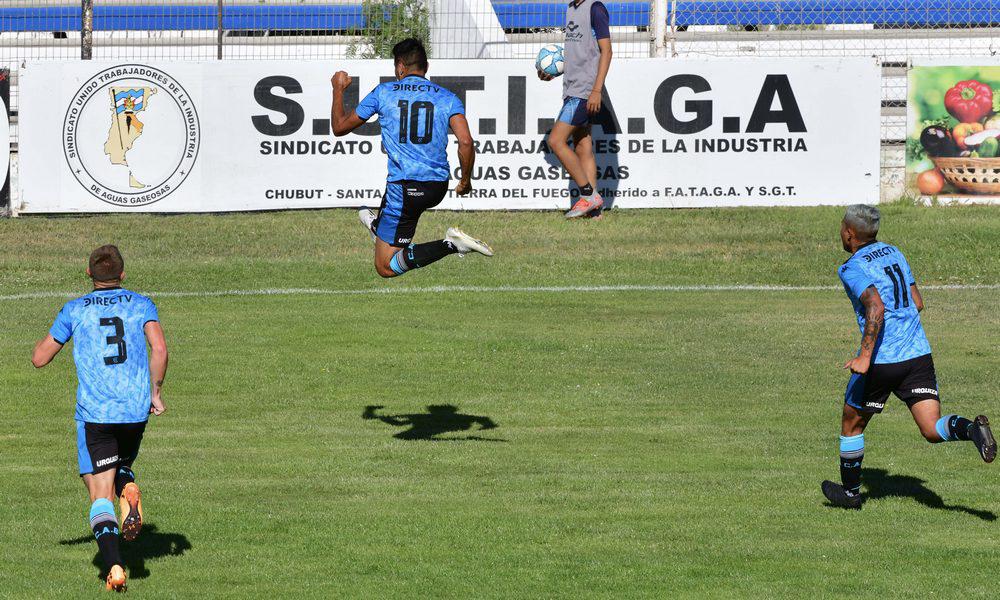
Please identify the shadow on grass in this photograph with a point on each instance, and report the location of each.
(150, 544)
(882, 484)
(439, 419)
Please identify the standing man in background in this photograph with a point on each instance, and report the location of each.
(587, 55)
(110, 327)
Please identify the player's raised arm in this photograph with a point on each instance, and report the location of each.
(158, 358)
(45, 350)
(341, 122)
(874, 315)
(466, 152)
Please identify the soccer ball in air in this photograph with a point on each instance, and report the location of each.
(550, 60)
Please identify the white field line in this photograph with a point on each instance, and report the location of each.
(447, 289)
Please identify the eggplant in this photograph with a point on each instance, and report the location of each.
(937, 142)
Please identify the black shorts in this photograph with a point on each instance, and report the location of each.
(911, 380)
(403, 203)
(104, 446)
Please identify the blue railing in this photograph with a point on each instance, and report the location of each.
(512, 15)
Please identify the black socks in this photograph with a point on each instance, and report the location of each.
(852, 452)
(104, 524)
(415, 256)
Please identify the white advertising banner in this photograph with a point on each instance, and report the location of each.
(225, 136)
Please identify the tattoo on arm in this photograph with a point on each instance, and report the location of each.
(159, 384)
(874, 315)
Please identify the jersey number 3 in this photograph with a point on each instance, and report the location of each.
(118, 339)
(409, 122)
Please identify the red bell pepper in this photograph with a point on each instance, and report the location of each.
(969, 101)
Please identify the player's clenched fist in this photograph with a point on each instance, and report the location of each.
(157, 407)
(341, 80)
(463, 187)
(858, 365)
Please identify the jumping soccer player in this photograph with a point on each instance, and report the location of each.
(110, 327)
(587, 56)
(895, 355)
(415, 115)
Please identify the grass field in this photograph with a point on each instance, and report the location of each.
(647, 443)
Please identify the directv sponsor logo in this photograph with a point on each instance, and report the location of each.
(131, 135)
(883, 251)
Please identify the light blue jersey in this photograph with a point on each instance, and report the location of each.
(885, 267)
(109, 349)
(414, 115)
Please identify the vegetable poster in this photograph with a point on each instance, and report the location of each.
(953, 134)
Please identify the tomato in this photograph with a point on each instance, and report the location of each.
(930, 182)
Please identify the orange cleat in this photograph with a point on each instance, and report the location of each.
(116, 579)
(130, 505)
(584, 206)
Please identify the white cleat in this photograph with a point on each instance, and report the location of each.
(368, 217)
(465, 243)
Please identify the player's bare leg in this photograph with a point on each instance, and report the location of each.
(583, 146)
(926, 414)
(104, 524)
(383, 258)
(583, 151)
(950, 428)
(847, 494)
(559, 143)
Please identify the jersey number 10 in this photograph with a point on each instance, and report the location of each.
(409, 122)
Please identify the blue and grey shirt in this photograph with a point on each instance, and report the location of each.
(884, 267)
(109, 349)
(586, 22)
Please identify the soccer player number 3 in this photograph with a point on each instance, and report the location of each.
(118, 339)
(409, 123)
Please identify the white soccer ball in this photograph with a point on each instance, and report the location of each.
(550, 60)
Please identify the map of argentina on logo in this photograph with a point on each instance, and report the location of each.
(131, 135)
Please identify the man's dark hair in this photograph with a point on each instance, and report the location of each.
(106, 263)
(411, 53)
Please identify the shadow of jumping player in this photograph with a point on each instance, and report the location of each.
(439, 419)
(881, 484)
(150, 544)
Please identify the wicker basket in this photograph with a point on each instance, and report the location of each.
(972, 175)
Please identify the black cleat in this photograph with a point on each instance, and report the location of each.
(982, 437)
(838, 496)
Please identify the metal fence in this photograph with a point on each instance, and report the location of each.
(892, 31)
